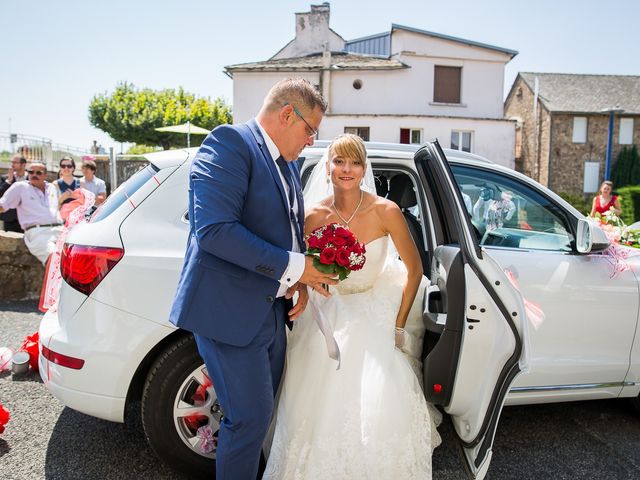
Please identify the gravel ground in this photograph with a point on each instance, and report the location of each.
(46, 440)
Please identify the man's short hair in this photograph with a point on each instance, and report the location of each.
(37, 163)
(294, 91)
(20, 158)
(90, 164)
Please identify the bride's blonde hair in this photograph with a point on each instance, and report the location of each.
(350, 146)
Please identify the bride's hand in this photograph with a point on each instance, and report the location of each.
(401, 337)
(303, 298)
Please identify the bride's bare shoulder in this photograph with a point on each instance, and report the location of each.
(385, 207)
(318, 214)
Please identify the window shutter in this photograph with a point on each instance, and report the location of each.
(404, 135)
(626, 131)
(446, 84)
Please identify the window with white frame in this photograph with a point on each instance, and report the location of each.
(579, 130)
(362, 132)
(461, 140)
(411, 135)
(626, 131)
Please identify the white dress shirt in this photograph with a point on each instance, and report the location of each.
(295, 268)
(34, 206)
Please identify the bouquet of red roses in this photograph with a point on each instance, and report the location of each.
(336, 250)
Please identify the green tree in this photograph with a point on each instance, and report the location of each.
(131, 115)
(139, 149)
(627, 168)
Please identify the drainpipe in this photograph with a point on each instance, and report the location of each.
(325, 76)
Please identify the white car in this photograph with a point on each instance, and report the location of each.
(477, 226)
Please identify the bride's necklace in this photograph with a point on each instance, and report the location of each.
(346, 222)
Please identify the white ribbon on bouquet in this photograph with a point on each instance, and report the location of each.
(325, 327)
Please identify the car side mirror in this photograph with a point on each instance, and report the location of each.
(590, 238)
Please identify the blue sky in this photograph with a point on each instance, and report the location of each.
(55, 56)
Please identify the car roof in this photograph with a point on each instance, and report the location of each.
(395, 150)
(171, 158)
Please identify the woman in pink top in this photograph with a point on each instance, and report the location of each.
(605, 200)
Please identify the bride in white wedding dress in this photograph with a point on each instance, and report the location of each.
(369, 418)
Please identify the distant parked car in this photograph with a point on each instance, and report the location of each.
(109, 344)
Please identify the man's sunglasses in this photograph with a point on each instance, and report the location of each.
(66, 165)
(36, 172)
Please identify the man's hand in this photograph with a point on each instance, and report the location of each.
(303, 298)
(10, 175)
(314, 278)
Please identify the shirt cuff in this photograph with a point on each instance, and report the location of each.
(294, 270)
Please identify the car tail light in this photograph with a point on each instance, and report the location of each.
(84, 267)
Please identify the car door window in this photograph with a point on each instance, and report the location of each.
(507, 213)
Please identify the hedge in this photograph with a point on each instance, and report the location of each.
(629, 203)
(578, 202)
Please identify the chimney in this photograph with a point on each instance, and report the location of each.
(313, 35)
(312, 29)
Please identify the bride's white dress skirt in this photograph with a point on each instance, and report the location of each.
(368, 420)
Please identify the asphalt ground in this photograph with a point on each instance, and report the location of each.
(44, 439)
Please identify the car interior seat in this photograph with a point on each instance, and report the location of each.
(382, 185)
(402, 193)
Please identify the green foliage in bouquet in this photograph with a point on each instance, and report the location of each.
(334, 268)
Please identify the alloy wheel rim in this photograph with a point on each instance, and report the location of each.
(191, 411)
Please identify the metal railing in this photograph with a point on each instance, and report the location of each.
(111, 167)
(34, 148)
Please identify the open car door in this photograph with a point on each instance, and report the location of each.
(475, 317)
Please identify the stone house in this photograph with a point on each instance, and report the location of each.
(405, 85)
(563, 126)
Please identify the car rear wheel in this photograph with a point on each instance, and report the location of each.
(636, 403)
(180, 411)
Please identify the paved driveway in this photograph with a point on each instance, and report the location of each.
(584, 440)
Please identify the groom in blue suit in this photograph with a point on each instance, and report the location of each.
(244, 261)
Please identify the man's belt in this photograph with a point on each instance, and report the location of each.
(42, 225)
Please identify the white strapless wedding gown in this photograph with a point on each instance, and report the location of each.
(369, 419)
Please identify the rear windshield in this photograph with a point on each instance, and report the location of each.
(123, 192)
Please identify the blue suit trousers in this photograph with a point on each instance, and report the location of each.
(245, 380)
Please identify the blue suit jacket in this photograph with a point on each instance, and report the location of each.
(240, 233)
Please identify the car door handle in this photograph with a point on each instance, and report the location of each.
(433, 301)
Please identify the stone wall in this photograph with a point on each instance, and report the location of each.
(568, 158)
(21, 273)
(558, 162)
(534, 139)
